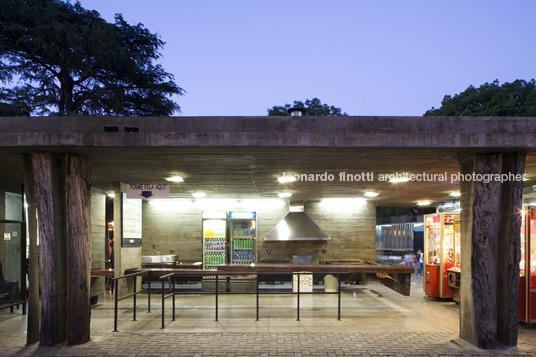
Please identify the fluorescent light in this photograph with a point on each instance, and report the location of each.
(286, 178)
(371, 194)
(175, 179)
(199, 194)
(399, 179)
(455, 194)
(423, 203)
(284, 194)
(111, 195)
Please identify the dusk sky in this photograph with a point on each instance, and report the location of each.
(381, 57)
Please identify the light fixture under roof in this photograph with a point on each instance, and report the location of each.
(199, 194)
(111, 195)
(284, 194)
(175, 179)
(371, 194)
(455, 194)
(286, 178)
(399, 179)
(424, 203)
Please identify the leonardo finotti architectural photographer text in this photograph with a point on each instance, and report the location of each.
(369, 176)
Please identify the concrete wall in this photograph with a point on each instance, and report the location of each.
(98, 238)
(176, 225)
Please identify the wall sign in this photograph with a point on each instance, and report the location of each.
(146, 190)
(131, 222)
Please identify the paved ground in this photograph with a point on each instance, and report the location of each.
(375, 322)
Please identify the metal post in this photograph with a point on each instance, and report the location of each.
(135, 293)
(216, 297)
(173, 292)
(149, 294)
(257, 296)
(339, 297)
(163, 287)
(298, 319)
(115, 309)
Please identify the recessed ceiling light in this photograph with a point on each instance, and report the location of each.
(399, 179)
(423, 203)
(284, 194)
(175, 179)
(286, 178)
(111, 195)
(199, 194)
(455, 194)
(371, 194)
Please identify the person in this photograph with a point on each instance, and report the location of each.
(420, 260)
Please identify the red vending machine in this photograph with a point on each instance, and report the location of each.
(441, 251)
(527, 267)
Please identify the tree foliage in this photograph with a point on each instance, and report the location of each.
(61, 58)
(313, 107)
(491, 99)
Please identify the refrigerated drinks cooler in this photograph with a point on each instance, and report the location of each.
(527, 267)
(441, 251)
(214, 239)
(243, 237)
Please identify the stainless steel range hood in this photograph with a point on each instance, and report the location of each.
(296, 226)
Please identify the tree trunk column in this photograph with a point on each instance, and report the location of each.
(78, 200)
(48, 170)
(491, 224)
(32, 328)
(62, 190)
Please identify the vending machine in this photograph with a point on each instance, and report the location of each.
(527, 267)
(242, 248)
(214, 247)
(214, 239)
(441, 251)
(243, 237)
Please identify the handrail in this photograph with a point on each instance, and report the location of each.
(219, 274)
(117, 298)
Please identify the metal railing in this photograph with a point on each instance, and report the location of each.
(257, 292)
(117, 298)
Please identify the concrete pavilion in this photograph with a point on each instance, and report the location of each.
(60, 158)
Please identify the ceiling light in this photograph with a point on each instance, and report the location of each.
(455, 194)
(398, 179)
(199, 194)
(284, 194)
(111, 195)
(286, 178)
(371, 194)
(175, 179)
(423, 203)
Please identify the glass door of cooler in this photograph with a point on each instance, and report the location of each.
(214, 239)
(243, 237)
(527, 266)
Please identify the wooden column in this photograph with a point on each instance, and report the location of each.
(78, 199)
(32, 329)
(49, 188)
(490, 250)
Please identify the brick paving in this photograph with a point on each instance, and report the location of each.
(265, 344)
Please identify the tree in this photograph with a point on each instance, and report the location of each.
(491, 99)
(67, 60)
(313, 107)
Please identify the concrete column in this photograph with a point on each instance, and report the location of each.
(491, 224)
